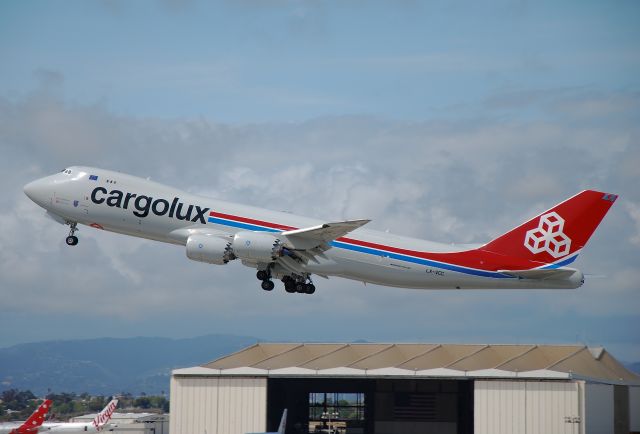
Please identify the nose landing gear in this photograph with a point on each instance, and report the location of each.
(72, 240)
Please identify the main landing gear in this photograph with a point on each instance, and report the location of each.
(298, 284)
(72, 240)
(265, 275)
(292, 284)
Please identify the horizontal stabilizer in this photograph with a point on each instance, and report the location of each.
(542, 274)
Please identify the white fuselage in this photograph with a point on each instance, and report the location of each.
(138, 207)
(7, 427)
(72, 427)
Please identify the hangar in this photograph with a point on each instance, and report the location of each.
(408, 389)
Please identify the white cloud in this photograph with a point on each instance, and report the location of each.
(451, 181)
(634, 212)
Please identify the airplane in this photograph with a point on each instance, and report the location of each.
(281, 427)
(32, 424)
(292, 248)
(99, 423)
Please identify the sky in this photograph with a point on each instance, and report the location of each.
(452, 121)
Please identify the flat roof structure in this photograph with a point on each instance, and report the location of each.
(125, 417)
(578, 362)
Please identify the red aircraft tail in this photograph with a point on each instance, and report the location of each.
(557, 234)
(31, 425)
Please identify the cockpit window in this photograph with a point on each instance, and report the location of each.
(67, 171)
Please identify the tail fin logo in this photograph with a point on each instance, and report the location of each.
(105, 415)
(548, 236)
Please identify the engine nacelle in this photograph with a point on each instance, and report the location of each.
(256, 246)
(209, 249)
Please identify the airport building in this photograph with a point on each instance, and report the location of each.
(408, 389)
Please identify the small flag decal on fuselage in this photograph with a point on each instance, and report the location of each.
(93, 177)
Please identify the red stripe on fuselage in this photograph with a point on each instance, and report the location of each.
(251, 221)
(477, 259)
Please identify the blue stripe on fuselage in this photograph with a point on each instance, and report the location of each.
(370, 251)
(421, 261)
(560, 264)
(240, 225)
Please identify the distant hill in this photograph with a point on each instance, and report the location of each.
(108, 365)
(114, 365)
(635, 367)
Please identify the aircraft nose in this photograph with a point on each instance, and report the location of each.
(36, 191)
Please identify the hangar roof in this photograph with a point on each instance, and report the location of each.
(420, 360)
(125, 417)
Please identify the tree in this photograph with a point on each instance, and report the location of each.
(142, 402)
(97, 403)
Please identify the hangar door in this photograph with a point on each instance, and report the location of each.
(371, 406)
(424, 406)
(532, 407)
(217, 405)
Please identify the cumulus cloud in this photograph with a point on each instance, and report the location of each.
(449, 180)
(634, 212)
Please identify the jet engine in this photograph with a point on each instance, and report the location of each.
(209, 249)
(256, 246)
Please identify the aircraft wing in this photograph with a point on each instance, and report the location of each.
(316, 236)
(305, 244)
(541, 274)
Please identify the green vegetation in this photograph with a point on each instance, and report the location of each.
(18, 405)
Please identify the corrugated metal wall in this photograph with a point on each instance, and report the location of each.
(212, 405)
(527, 407)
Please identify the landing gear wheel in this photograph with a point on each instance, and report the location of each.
(289, 286)
(300, 288)
(262, 275)
(310, 288)
(267, 285)
(72, 240)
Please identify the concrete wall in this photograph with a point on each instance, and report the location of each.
(531, 407)
(214, 405)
